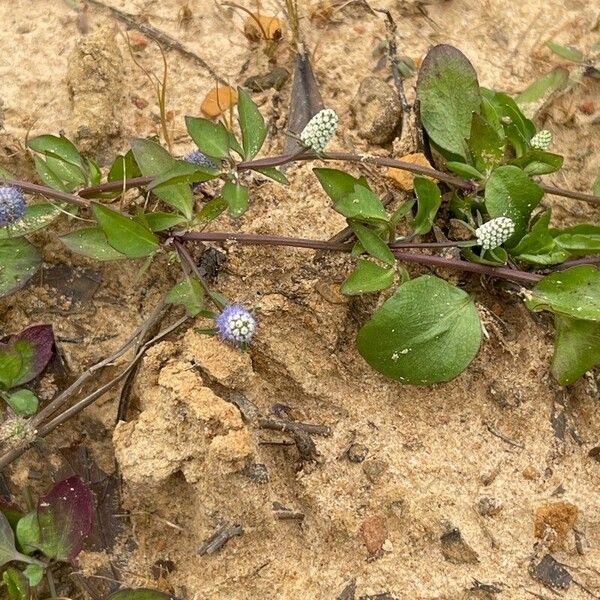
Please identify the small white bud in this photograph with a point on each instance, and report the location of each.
(495, 232)
(542, 140)
(319, 130)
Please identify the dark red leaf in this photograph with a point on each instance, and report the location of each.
(65, 519)
(42, 339)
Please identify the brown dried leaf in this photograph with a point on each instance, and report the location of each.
(404, 179)
(262, 27)
(219, 100)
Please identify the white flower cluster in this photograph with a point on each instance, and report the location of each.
(319, 130)
(542, 140)
(495, 232)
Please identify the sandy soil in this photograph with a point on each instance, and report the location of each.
(430, 454)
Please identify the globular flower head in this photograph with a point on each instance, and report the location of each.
(542, 140)
(14, 431)
(197, 157)
(12, 204)
(319, 130)
(236, 325)
(495, 232)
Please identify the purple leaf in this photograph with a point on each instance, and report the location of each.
(65, 519)
(25, 355)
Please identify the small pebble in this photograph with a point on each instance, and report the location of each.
(357, 453)
(488, 506)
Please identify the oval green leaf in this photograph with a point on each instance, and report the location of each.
(448, 93)
(252, 124)
(428, 332)
(368, 277)
(19, 262)
(212, 138)
(125, 234)
(91, 242)
(574, 292)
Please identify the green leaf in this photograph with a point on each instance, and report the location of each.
(252, 124)
(34, 574)
(212, 138)
(23, 402)
(372, 243)
(539, 240)
(538, 162)
(464, 170)
(235, 145)
(338, 184)
(154, 160)
(211, 210)
(19, 262)
(541, 89)
(574, 292)
(57, 147)
(275, 174)
(37, 216)
(236, 196)
(159, 221)
(448, 94)
(48, 176)
(486, 143)
(366, 278)
(183, 171)
(362, 205)
(28, 532)
(8, 551)
(497, 256)
(511, 193)
(94, 171)
(124, 167)
(92, 242)
(579, 240)
(140, 594)
(568, 52)
(576, 348)
(429, 200)
(518, 128)
(25, 355)
(189, 293)
(125, 234)
(16, 583)
(73, 176)
(428, 332)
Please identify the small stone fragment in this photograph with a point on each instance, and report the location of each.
(257, 472)
(374, 532)
(505, 394)
(488, 506)
(456, 550)
(530, 473)
(551, 573)
(377, 110)
(357, 453)
(404, 179)
(558, 516)
(374, 470)
(595, 453)
(276, 79)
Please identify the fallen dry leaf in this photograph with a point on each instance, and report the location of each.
(259, 27)
(219, 100)
(404, 179)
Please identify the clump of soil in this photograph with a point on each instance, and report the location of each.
(392, 499)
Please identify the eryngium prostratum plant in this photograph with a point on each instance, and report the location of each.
(429, 330)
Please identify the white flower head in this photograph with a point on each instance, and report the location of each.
(495, 232)
(236, 325)
(319, 130)
(542, 140)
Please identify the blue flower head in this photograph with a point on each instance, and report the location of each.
(198, 157)
(236, 325)
(12, 205)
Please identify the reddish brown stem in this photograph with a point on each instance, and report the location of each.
(424, 259)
